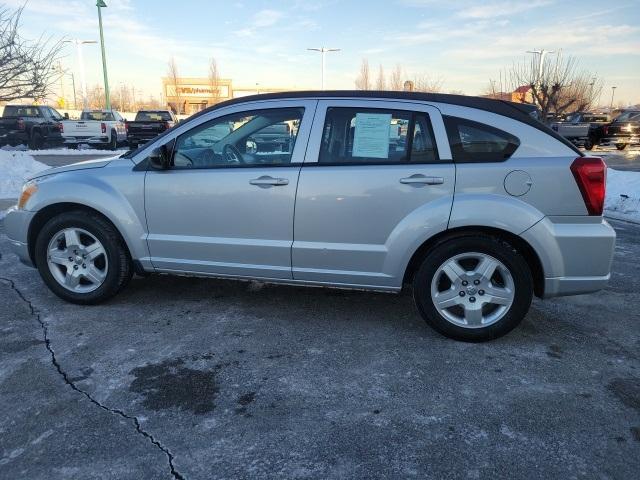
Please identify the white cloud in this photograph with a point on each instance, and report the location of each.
(498, 9)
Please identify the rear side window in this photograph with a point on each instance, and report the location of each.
(153, 117)
(476, 142)
(376, 136)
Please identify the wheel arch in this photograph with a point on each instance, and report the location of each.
(521, 245)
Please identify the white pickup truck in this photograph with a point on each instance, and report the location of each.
(101, 128)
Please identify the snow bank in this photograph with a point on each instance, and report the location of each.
(15, 168)
(623, 195)
(81, 150)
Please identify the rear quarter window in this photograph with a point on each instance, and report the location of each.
(478, 142)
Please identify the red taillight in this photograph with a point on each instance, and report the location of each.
(591, 176)
(103, 127)
(20, 124)
(167, 125)
(126, 127)
(605, 129)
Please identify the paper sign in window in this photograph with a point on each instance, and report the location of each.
(371, 136)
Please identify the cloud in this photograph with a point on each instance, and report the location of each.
(259, 20)
(497, 9)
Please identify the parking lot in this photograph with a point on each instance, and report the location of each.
(193, 378)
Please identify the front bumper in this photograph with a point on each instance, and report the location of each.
(575, 253)
(16, 224)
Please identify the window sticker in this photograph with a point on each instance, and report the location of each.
(371, 136)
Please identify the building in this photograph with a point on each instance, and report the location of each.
(190, 95)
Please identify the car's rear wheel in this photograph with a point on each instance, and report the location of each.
(82, 258)
(35, 142)
(113, 144)
(473, 288)
(621, 146)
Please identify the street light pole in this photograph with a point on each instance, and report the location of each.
(613, 91)
(100, 4)
(543, 53)
(323, 52)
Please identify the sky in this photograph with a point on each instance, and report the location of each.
(463, 43)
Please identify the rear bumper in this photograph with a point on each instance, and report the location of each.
(14, 138)
(16, 224)
(98, 140)
(575, 253)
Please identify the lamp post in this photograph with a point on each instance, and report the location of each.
(100, 4)
(323, 52)
(83, 81)
(543, 53)
(613, 91)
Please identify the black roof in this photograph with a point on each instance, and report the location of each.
(518, 111)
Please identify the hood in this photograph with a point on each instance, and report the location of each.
(87, 164)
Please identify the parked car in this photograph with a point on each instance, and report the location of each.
(100, 128)
(147, 125)
(483, 207)
(624, 130)
(36, 126)
(584, 129)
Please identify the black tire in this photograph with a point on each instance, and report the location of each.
(113, 144)
(35, 142)
(133, 145)
(621, 146)
(120, 268)
(588, 144)
(480, 243)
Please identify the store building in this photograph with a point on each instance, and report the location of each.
(190, 95)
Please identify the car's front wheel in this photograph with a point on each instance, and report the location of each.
(82, 258)
(621, 146)
(473, 288)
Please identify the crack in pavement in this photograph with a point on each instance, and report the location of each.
(114, 411)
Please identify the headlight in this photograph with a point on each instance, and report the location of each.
(28, 189)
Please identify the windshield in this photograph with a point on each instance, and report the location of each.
(97, 116)
(153, 117)
(626, 116)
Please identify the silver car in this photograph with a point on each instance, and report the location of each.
(474, 204)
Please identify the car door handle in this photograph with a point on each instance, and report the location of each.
(266, 181)
(418, 179)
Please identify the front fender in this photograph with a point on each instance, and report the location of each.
(116, 196)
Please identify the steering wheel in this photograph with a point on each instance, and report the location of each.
(231, 154)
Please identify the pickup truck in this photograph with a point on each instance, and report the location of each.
(584, 129)
(624, 130)
(274, 138)
(101, 128)
(34, 125)
(147, 125)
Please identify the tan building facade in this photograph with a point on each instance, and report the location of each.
(191, 94)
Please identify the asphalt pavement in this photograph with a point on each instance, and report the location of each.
(190, 378)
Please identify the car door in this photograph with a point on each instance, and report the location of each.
(223, 207)
(378, 180)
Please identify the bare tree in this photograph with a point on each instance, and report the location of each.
(381, 83)
(173, 75)
(424, 83)
(363, 81)
(558, 85)
(95, 97)
(214, 81)
(27, 68)
(395, 81)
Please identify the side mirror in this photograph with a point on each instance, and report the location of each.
(159, 158)
(251, 147)
(66, 115)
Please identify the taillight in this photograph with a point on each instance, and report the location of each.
(591, 176)
(167, 125)
(126, 127)
(103, 127)
(606, 129)
(20, 124)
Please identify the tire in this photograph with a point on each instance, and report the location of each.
(621, 146)
(133, 145)
(113, 144)
(512, 272)
(35, 142)
(588, 144)
(115, 257)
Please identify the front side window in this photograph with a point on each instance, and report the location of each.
(261, 137)
(476, 142)
(370, 136)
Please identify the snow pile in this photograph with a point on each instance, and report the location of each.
(623, 195)
(15, 169)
